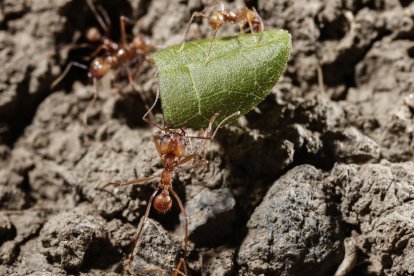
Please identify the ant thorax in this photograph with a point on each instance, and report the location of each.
(230, 16)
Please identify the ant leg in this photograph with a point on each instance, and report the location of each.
(186, 159)
(205, 136)
(180, 204)
(66, 71)
(122, 21)
(209, 135)
(149, 60)
(195, 14)
(177, 271)
(208, 130)
(137, 181)
(131, 79)
(134, 84)
(211, 44)
(251, 29)
(104, 25)
(241, 25)
(198, 14)
(137, 70)
(260, 20)
(123, 35)
(92, 102)
(196, 164)
(96, 52)
(141, 225)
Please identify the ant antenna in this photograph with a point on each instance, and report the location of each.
(99, 18)
(220, 125)
(211, 44)
(202, 13)
(235, 114)
(149, 111)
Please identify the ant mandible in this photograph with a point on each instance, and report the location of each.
(217, 19)
(171, 147)
(116, 55)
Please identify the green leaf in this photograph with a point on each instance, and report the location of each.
(239, 74)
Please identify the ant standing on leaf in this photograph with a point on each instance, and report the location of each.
(115, 56)
(171, 147)
(217, 19)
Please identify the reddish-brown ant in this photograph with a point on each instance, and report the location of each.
(217, 19)
(171, 146)
(115, 55)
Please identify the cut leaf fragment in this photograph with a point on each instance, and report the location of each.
(239, 74)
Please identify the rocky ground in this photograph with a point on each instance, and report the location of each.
(321, 176)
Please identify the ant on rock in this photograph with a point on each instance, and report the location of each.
(171, 147)
(115, 55)
(217, 19)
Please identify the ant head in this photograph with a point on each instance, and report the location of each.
(139, 42)
(172, 142)
(250, 16)
(254, 17)
(163, 202)
(99, 67)
(216, 20)
(93, 35)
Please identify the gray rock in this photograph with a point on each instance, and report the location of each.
(351, 146)
(378, 198)
(70, 238)
(218, 261)
(156, 249)
(211, 216)
(291, 232)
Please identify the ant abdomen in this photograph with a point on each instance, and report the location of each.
(216, 20)
(99, 67)
(163, 202)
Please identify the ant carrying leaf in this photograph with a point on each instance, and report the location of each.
(171, 146)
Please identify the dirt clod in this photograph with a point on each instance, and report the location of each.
(290, 232)
(70, 238)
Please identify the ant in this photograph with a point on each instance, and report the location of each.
(171, 147)
(116, 55)
(217, 19)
